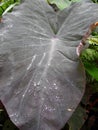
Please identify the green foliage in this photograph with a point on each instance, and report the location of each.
(93, 40)
(7, 5)
(90, 56)
(95, 1)
(61, 4)
(92, 69)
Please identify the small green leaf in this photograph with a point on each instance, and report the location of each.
(9, 8)
(92, 70)
(7, 5)
(93, 40)
(61, 4)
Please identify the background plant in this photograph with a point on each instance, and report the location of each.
(7, 5)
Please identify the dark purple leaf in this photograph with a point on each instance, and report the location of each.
(42, 79)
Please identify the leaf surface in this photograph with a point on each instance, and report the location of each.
(42, 79)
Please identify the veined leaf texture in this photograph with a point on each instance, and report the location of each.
(42, 79)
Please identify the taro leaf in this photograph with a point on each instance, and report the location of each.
(42, 79)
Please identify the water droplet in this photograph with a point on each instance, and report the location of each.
(23, 95)
(38, 83)
(12, 78)
(35, 84)
(54, 84)
(42, 99)
(51, 109)
(69, 109)
(10, 26)
(56, 88)
(57, 98)
(44, 87)
(50, 88)
(46, 108)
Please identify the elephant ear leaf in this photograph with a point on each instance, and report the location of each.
(42, 79)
